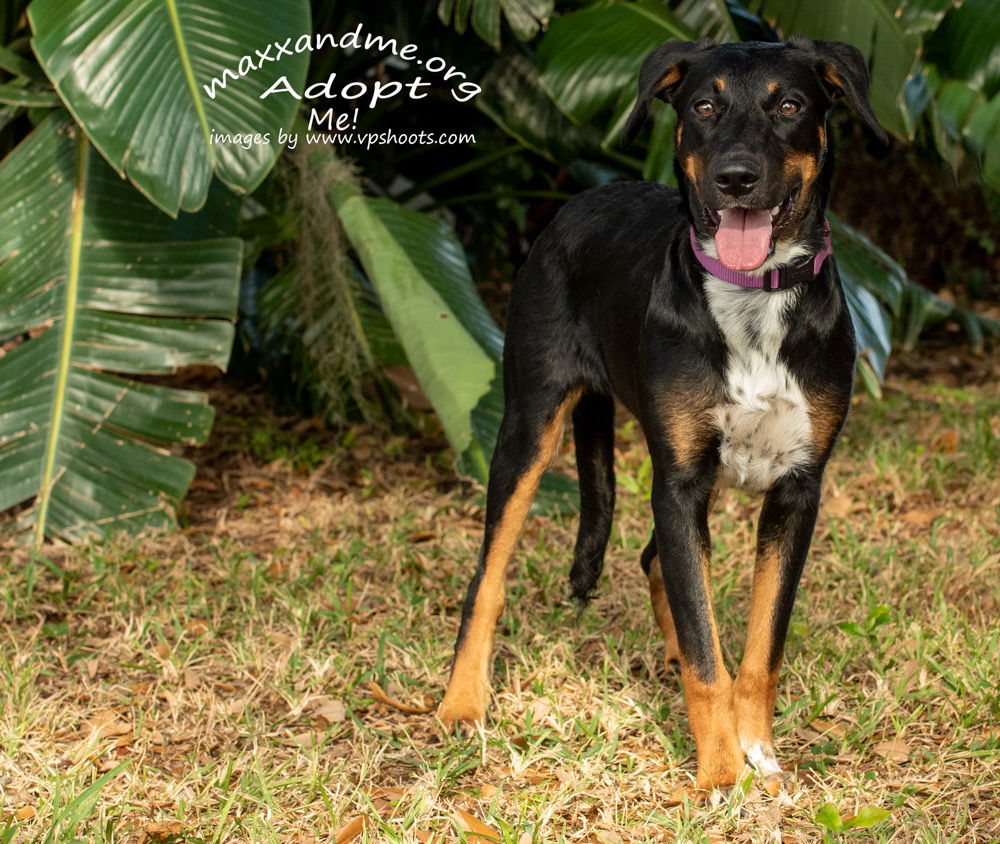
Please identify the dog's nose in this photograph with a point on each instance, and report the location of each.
(736, 177)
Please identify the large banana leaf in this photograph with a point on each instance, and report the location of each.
(869, 25)
(590, 59)
(407, 256)
(133, 73)
(419, 271)
(93, 278)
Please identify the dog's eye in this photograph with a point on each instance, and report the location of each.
(789, 107)
(704, 107)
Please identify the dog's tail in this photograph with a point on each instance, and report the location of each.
(594, 435)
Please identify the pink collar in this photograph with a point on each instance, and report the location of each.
(778, 279)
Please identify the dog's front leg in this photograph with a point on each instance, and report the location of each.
(787, 519)
(680, 508)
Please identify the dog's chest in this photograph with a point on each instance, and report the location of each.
(764, 418)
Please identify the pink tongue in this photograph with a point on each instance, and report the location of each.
(744, 238)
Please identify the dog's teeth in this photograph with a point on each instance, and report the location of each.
(774, 211)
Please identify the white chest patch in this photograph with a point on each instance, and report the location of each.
(764, 418)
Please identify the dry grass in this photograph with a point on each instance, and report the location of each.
(219, 678)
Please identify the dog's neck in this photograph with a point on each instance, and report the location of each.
(782, 270)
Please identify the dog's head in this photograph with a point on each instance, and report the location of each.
(752, 149)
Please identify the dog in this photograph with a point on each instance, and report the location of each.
(715, 314)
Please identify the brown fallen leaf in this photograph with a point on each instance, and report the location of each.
(838, 506)
(197, 627)
(947, 441)
(895, 750)
(306, 740)
(25, 813)
(676, 797)
(475, 830)
(106, 725)
(330, 710)
(922, 517)
(488, 790)
(382, 697)
(160, 831)
(350, 830)
(830, 728)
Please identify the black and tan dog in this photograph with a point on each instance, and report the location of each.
(716, 316)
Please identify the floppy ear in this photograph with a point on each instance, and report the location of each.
(661, 72)
(845, 74)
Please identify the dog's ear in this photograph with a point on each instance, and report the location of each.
(659, 76)
(844, 73)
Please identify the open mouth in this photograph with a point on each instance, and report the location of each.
(744, 237)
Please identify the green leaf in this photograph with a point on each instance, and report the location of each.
(20, 66)
(871, 325)
(708, 19)
(70, 816)
(829, 816)
(854, 629)
(405, 255)
(523, 16)
(871, 27)
(513, 98)
(419, 271)
(877, 616)
(967, 45)
(919, 17)
(133, 73)
(486, 21)
(589, 57)
(83, 271)
(17, 96)
(866, 817)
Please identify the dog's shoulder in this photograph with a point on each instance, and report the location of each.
(618, 217)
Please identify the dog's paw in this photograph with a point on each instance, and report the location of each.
(464, 715)
(761, 757)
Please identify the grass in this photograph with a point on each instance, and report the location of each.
(216, 684)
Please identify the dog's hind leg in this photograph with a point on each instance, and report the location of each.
(529, 439)
(594, 435)
(651, 565)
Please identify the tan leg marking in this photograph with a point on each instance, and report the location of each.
(661, 611)
(825, 417)
(710, 712)
(756, 683)
(687, 431)
(468, 689)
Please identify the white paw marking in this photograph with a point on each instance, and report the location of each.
(761, 756)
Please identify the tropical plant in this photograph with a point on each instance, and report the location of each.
(96, 280)
(119, 257)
